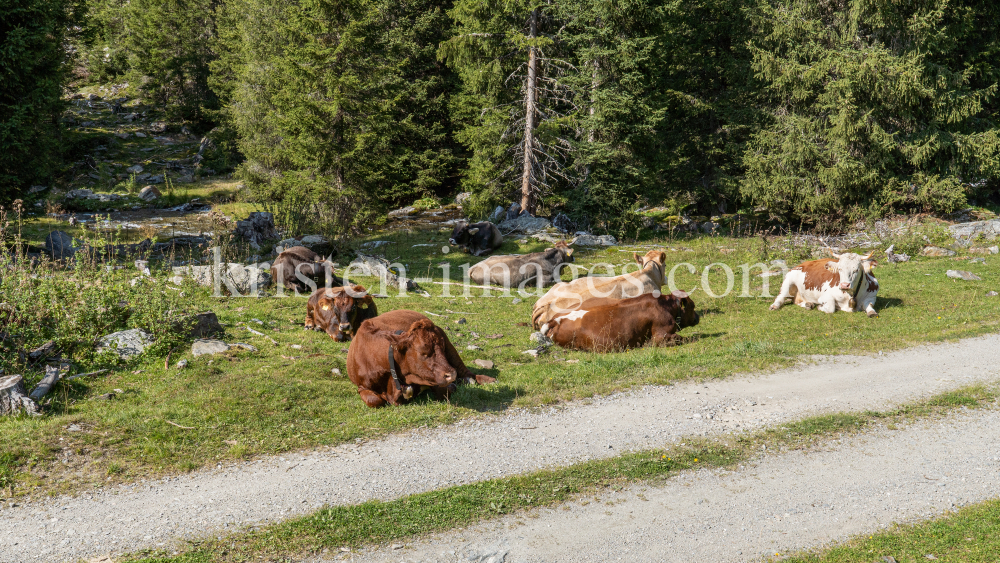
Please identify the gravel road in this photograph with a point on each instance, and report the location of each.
(224, 499)
(781, 503)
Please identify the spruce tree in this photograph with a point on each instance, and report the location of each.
(878, 107)
(33, 71)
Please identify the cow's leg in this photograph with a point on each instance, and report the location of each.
(310, 321)
(370, 398)
(664, 336)
(443, 393)
(788, 290)
(455, 360)
(827, 303)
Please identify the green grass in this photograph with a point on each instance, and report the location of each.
(969, 535)
(381, 522)
(281, 398)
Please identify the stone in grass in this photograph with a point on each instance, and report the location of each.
(992, 294)
(181, 364)
(962, 275)
(936, 251)
(472, 347)
(126, 343)
(532, 353)
(485, 364)
(202, 347)
(59, 245)
(540, 338)
(149, 193)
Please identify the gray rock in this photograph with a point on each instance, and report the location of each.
(525, 224)
(243, 346)
(540, 338)
(245, 278)
(461, 321)
(992, 294)
(202, 347)
(485, 364)
(257, 228)
(513, 212)
(181, 364)
(149, 193)
(497, 215)
(962, 275)
(158, 127)
(59, 245)
(709, 227)
(587, 239)
(403, 212)
(472, 347)
(136, 169)
(126, 343)
(532, 353)
(310, 241)
(936, 251)
(36, 189)
(894, 258)
(44, 351)
(80, 193)
(988, 229)
(563, 223)
(994, 249)
(140, 134)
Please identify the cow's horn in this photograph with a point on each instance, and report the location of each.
(473, 231)
(679, 293)
(869, 256)
(832, 253)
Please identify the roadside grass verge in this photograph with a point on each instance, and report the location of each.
(376, 522)
(968, 535)
(285, 397)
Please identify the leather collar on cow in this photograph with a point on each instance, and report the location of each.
(393, 369)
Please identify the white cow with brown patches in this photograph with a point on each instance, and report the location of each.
(845, 284)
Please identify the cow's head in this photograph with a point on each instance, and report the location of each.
(849, 266)
(341, 307)
(564, 248)
(422, 348)
(656, 258)
(463, 233)
(685, 314)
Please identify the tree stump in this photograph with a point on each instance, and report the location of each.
(14, 397)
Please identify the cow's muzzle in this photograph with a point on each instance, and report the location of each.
(452, 241)
(345, 327)
(451, 377)
(845, 285)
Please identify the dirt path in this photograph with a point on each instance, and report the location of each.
(152, 514)
(779, 504)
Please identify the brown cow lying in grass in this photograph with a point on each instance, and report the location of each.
(295, 266)
(394, 355)
(339, 311)
(568, 296)
(612, 325)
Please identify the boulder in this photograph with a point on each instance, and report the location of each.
(137, 169)
(310, 241)
(202, 347)
(80, 193)
(403, 212)
(513, 212)
(36, 189)
(563, 223)
(245, 278)
(59, 245)
(158, 127)
(988, 229)
(962, 275)
(587, 239)
(257, 228)
(936, 251)
(126, 343)
(149, 193)
(498, 214)
(525, 224)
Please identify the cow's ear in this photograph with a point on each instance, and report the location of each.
(569, 252)
(325, 304)
(663, 257)
(830, 265)
(638, 258)
(366, 302)
(398, 341)
(473, 230)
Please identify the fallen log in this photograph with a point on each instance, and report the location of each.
(52, 375)
(14, 397)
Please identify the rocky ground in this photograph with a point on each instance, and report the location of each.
(225, 499)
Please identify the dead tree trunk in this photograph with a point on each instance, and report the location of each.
(528, 200)
(14, 397)
(52, 376)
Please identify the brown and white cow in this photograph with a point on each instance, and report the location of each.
(297, 266)
(339, 311)
(568, 296)
(845, 284)
(539, 268)
(396, 354)
(611, 325)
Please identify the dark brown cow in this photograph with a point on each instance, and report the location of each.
(610, 325)
(339, 311)
(421, 353)
(305, 262)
